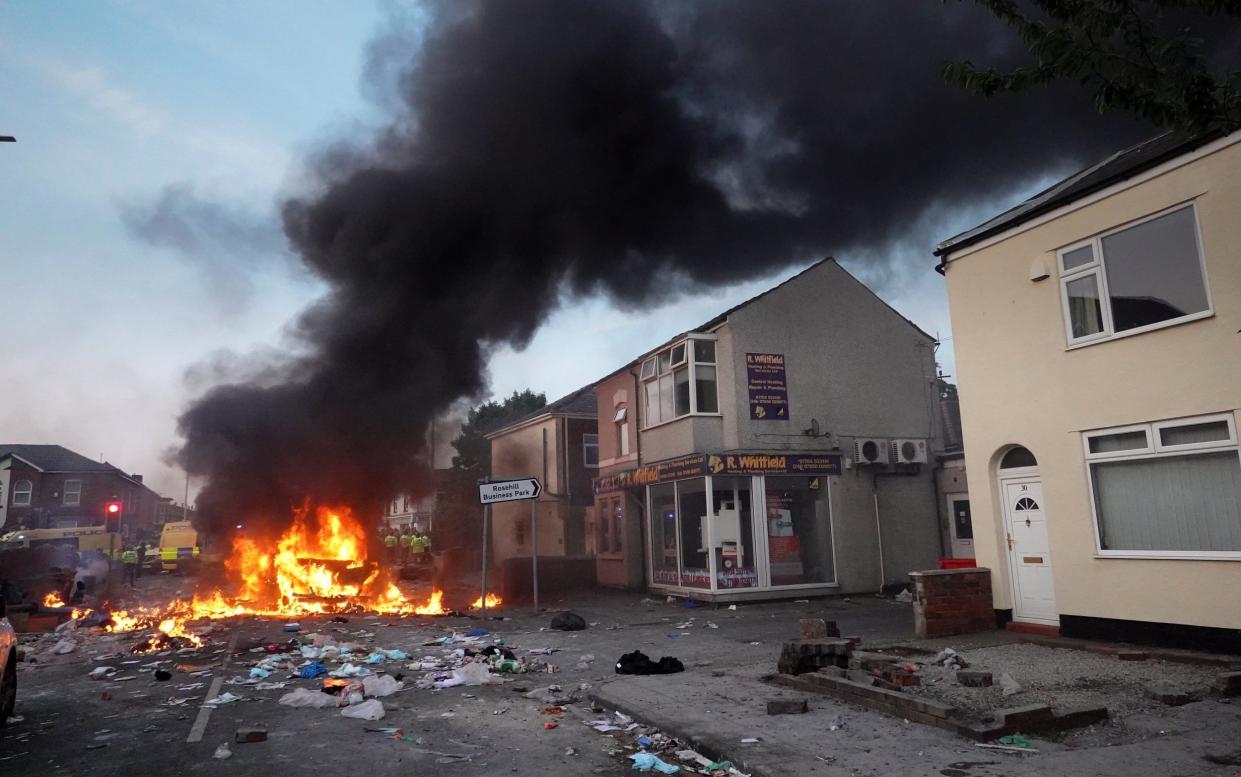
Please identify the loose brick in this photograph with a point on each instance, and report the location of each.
(1228, 683)
(253, 734)
(1170, 695)
(974, 679)
(813, 628)
(1026, 716)
(788, 706)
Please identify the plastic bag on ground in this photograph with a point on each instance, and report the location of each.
(396, 655)
(644, 762)
(65, 646)
(349, 670)
(311, 671)
(222, 752)
(951, 659)
(367, 710)
(1011, 687)
(304, 697)
(381, 685)
(470, 674)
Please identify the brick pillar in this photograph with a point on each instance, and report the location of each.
(952, 601)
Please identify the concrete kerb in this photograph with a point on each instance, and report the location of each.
(705, 743)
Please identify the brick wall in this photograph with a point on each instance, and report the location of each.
(952, 601)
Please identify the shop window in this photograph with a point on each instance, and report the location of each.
(692, 504)
(799, 531)
(736, 564)
(72, 493)
(664, 548)
(680, 380)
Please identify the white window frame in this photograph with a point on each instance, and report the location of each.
(587, 445)
(1098, 268)
(1156, 450)
(28, 491)
(77, 494)
(690, 363)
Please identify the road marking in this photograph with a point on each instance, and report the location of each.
(204, 713)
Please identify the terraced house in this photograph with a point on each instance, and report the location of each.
(1097, 340)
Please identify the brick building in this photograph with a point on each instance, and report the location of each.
(50, 486)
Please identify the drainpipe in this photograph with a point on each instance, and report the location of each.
(874, 490)
(940, 524)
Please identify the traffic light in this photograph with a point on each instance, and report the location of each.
(112, 513)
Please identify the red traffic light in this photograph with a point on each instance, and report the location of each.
(114, 508)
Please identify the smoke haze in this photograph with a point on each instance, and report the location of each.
(639, 151)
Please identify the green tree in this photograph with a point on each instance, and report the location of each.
(1133, 55)
(473, 448)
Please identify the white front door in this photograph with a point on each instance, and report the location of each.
(1029, 557)
(961, 526)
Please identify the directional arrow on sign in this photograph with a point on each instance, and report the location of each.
(509, 490)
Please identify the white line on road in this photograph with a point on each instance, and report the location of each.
(204, 713)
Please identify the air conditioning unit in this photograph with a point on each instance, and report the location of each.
(870, 451)
(909, 451)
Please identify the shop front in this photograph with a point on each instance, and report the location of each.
(736, 525)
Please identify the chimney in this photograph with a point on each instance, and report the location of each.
(137, 478)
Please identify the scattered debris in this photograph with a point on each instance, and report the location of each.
(788, 707)
(644, 762)
(223, 752)
(1011, 687)
(836, 724)
(568, 621)
(224, 698)
(950, 659)
(371, 709)
(638, 663)
(905, 596)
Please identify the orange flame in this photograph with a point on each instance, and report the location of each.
(53, 600)
(492, 601)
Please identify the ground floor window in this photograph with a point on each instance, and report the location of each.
(799, 531)
(1170, 487)
(732, 532)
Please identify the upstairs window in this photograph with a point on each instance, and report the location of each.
(621, 420)
(680, 380)
(1133, 279)
(590, 450)
(73, 493)
(22, 490)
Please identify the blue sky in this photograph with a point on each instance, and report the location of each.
(112, 101)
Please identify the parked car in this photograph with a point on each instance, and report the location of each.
(8, 665)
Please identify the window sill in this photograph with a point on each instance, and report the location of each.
(1167, 556)
(1142, 330)
(682, 418)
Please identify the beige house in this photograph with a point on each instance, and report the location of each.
(1099, 362)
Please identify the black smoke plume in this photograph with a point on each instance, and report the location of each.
(545, 148)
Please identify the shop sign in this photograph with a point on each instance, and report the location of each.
(774, 464)
(699, 464)
(768, 386)
(690, 466)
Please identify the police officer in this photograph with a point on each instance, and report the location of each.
(407, 543)
(129, 557)
(390, 541)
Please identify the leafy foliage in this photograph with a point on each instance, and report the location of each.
(473, 448)
(1131, 53)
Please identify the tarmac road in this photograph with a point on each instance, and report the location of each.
(68, 728)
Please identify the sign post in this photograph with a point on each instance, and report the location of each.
(489, 493)
(534, 550)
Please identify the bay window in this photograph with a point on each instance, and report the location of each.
(1168, 489)
(680, 380)
(1139, 277)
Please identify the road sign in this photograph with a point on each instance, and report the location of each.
(508, 490)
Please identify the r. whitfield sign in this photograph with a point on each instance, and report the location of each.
(768, 386)
(699, 464)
